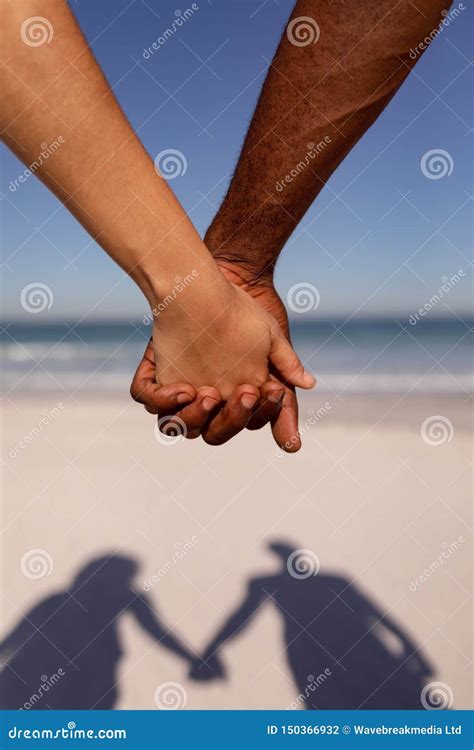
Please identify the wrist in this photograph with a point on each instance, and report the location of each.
(240, 262)
(243, 273)
(198, 290)
(177, 266)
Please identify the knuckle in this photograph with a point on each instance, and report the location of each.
(295, 367)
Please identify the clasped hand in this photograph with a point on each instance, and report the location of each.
(206, 669)
(220, 361)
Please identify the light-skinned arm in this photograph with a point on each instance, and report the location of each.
(214, 337)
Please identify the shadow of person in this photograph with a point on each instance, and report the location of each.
(342, 650)
(64, 653)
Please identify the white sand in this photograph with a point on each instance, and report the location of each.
(366, 494)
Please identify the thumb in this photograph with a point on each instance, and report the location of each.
(287, 363)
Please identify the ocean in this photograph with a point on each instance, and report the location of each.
(358, 356)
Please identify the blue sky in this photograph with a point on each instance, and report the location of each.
(378, 239)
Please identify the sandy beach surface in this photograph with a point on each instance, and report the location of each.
(379, 503)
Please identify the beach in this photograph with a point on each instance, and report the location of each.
(378, 499)
(320, 154)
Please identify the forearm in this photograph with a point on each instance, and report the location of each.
(56, 93)
(152, 625)
(235, 623)
(175, 647)
(227, 632)
(316, 103)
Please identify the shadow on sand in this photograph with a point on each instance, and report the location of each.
(65, 652)
(342, 651)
